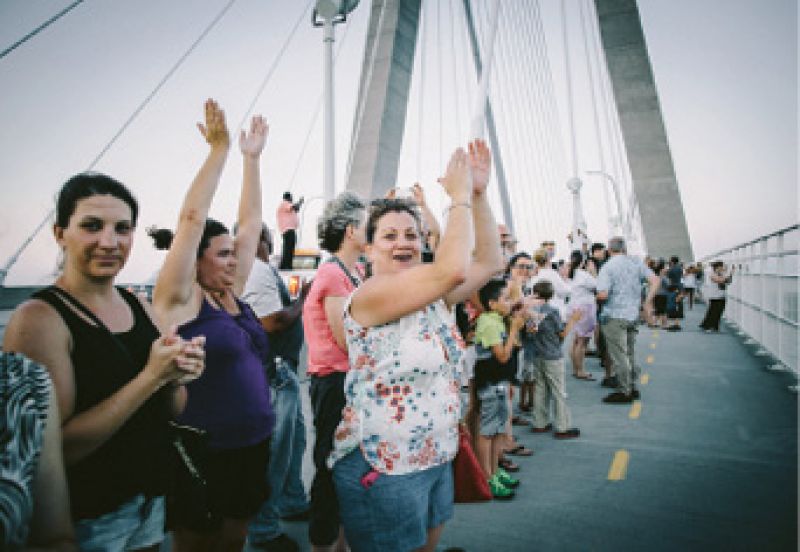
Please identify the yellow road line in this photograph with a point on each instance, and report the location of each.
(644, 379)
(650, 359)
(652, 345)
(636, 409)
(655, 334)
(619, 466)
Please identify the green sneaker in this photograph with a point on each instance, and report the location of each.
(505, 479)
(499, 491)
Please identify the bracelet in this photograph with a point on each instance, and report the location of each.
(466, 204)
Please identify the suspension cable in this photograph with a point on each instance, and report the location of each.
(275, 62)
(553, 117)
(122, 129)
(423, 24)
(595, 116)
(39, 29)
(549, 120)
(452, 29)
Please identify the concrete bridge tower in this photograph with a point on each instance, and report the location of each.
(654, 183)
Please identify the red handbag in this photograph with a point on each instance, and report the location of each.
(468, 479)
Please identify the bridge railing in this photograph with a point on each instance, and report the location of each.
(762, 300)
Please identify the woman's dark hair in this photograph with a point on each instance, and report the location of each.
(543, 289)
(90, 184)
(287, 196)
(162, 237)
(212, 229)
(513, 260)
(491, 291)
(575, 262)
(380, 207)
(344, 210)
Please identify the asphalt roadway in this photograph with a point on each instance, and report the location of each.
(711, 461)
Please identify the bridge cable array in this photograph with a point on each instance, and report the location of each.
(123, 128)
(39, 29)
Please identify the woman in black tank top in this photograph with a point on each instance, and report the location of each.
(117, 382)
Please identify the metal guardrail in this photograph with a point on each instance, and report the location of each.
(762, 300)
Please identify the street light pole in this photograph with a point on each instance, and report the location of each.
(574, 185)
(624, 222)
(329, 12)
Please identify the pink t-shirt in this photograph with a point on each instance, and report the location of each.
(324, 354)
(286, 217)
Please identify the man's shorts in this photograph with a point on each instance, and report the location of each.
(494, 409)
(527, 369)
(395, 513)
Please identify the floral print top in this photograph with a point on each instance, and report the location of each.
(402, 393)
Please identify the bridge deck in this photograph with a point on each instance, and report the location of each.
(712, 461)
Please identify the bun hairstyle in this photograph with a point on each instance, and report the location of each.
(162, 237)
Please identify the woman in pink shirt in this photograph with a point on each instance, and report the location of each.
(341, 232)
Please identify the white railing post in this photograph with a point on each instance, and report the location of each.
(762, 320)
(779, 264)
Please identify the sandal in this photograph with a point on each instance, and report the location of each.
(519, 421)
(508, 465)
(587, 377)
(520, 450)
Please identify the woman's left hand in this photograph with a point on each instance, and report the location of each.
(252, 143)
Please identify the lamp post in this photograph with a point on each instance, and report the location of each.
(326, 14)
(574, 185)
(623, 222)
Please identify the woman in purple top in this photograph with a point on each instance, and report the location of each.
(197, 288)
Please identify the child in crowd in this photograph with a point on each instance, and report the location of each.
(547, 338)
(494, 347)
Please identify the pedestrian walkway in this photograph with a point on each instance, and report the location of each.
(707, 460)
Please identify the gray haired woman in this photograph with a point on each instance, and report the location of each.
(341, 232)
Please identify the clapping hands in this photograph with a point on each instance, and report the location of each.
(480, 161)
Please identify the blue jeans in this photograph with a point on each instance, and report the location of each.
(287, 495)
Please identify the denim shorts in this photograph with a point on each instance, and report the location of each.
(494, 410)
(396, 511)
(139, 523)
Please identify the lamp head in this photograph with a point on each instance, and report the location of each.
(574, 184)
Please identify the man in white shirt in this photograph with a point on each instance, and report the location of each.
(280, 317)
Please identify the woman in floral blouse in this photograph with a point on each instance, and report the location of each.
(399, 429)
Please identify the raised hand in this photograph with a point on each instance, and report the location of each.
(215, 131)
(480, 161)
(457, 181)
(418, 194)
(252, 143)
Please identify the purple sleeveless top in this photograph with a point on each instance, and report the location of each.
(231, 400)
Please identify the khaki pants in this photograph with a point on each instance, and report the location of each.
(620, 338)
(550, 388)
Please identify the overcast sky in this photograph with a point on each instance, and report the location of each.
(725, 70)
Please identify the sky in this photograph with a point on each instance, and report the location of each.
(725, 71)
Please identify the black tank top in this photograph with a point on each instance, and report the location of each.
(133, 461)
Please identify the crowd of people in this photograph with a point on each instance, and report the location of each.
(412, 330)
